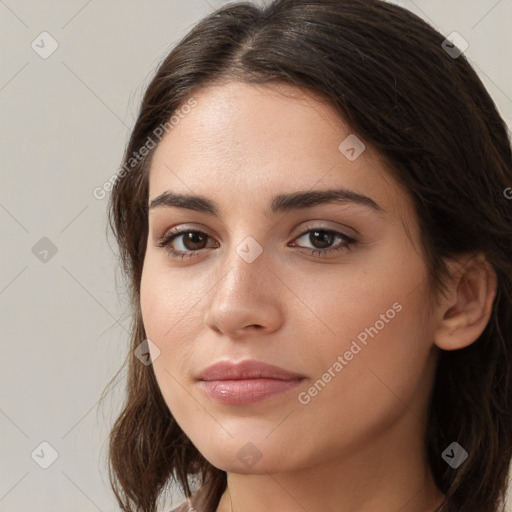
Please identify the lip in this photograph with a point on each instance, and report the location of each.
(246, 382)
(248, 369)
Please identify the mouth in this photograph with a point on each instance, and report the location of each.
(246, 391)
(246, 382)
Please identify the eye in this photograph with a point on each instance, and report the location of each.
(322, 240)
(193, 241)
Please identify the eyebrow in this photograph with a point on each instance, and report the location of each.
(280, 203)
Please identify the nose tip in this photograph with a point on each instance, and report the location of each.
(239, 300)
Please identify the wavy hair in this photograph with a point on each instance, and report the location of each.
(387, 74)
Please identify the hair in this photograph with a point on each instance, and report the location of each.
(428, 115)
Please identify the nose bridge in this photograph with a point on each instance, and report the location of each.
(242, 296)
(246, 252)
(244, 269)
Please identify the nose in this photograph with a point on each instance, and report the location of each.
(246, 299)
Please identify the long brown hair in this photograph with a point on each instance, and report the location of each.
(426, 112)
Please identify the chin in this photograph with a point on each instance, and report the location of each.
(245, 457)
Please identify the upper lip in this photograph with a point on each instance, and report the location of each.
(248, 369)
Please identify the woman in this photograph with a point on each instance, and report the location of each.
(313, 218)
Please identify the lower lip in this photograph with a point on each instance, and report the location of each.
(244, 392)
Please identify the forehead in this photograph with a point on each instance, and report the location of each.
(243, 123)
(242, 141)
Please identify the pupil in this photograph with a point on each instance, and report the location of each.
(325, 238)
(192, 238)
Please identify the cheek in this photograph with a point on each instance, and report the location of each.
(376, 325)
(153, 303)
(166, 299)
(172, 313)
(353, 298)
(161, 311)
(379, 304)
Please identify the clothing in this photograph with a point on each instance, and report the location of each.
(182, 508)
(195, 504)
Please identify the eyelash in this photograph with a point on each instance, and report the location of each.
(165, 241)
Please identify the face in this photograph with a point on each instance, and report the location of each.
(333, 291)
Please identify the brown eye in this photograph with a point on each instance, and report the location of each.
(193, 240)
(189, 242)
(323, 239)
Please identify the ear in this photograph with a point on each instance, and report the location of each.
(468, 303)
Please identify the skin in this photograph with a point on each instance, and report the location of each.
(358, 444)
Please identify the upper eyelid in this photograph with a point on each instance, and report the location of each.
(312, 224)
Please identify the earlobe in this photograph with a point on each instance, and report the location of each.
(468, 306)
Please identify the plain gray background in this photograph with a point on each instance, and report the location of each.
(65, 122)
